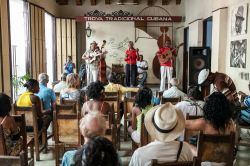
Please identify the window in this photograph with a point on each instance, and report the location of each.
(207, 32)
(19, 30)
(49, 46)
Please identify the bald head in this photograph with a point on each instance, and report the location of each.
(93, 124)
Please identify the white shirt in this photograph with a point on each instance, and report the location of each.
(60, 86)
(143, 64)
(194, 108)
(162, 151)
(173, 92)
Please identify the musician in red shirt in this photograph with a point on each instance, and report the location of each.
(166, 65)
(131, 68)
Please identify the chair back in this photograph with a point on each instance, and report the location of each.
(66, 124)
(30, 115)
(3, 150)
(57, 97)
(190, 133)
(76, 103)
(216, 148)
(111, 94)
(144, 137)
(114, 100)
(14, 160)
(171, 100)
(155, 162)
(159, 94)
(128, 104)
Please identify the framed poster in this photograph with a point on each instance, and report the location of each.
(238, 50)
(239, 16)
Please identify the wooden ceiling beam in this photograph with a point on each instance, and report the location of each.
(93, 2)
(78, 2)
(107, 2)
(136, 1)
(150, 2)
(165, 2)
(178, 2)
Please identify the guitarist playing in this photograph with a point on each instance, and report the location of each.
(91, 62)
(165, 56)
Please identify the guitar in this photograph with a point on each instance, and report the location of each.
(91, 59)
(168, 54)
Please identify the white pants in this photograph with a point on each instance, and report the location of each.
(92, 73)
(165, 72)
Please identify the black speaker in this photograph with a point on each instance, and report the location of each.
(199, 58)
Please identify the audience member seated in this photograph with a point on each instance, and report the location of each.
(99, 151)
(142, 106)
(244, 118)
(114, 87)
(47, 95)
(217, 118)
(91, 125)
(27, 99)
(72, 91)
(11, 131)
(221, 83)
(95, 101)
(193, 105)
(173, 92)
(164, 124)
(62, 84)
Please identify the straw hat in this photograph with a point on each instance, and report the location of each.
(164, 122)
(203, 76)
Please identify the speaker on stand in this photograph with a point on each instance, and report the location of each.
(199, 58)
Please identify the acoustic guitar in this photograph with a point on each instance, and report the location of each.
(91, 59)
(168, 54)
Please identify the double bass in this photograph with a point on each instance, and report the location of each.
(102, 65)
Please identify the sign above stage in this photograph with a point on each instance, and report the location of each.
(131, 18)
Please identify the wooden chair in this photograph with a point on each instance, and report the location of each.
(171, 100)
(57, 97)
(14, 160)
(111, 94)
(67, 132)
(28, 142)
(128, 106)
(115, 101)
(216, 148)
(20, 121)
(155, 162)
(76, 103)
(190, 133)
(159, 94)
(239, 140)
(144, 136)
(31, 120)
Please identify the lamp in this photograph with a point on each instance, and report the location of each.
(88, 31)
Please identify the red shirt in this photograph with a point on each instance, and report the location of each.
(168, 63)
(131, 57)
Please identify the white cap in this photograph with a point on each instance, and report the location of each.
(203, 76)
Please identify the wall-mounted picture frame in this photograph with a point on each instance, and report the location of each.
(238, 53)
(239, 16)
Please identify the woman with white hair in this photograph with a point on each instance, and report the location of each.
(92, 125)
(72, 91)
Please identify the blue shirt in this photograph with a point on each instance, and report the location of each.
(47, 96)
(69, 68)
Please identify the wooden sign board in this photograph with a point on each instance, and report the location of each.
(131, 18)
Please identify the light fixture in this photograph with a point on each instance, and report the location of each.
(88, 31)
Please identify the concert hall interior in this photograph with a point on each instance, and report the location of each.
(128, 61)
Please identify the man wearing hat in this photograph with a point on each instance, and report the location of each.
(164, 124)
(221, 82)
(90, 57)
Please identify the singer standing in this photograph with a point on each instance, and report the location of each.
(131, 68)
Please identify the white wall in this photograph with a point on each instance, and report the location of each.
(234, 73)
(221, 38)
(117, 35)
